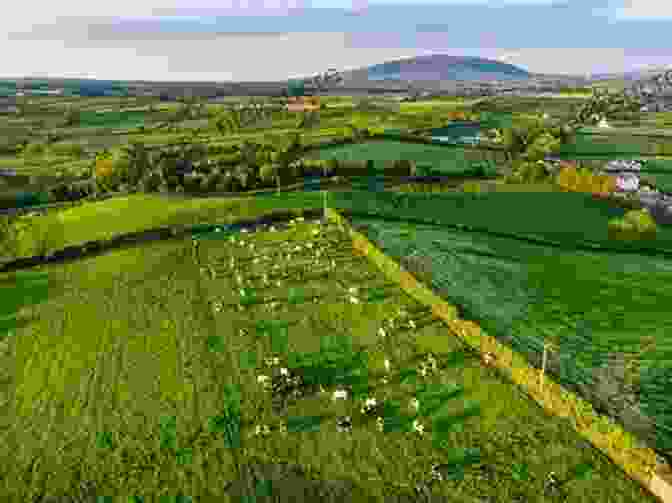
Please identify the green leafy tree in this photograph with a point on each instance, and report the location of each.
(71, 117)
(513, 142)
(139, 160)
(286, 154)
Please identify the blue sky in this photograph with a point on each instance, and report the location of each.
(277, 39)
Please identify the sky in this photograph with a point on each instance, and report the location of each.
(271, 40)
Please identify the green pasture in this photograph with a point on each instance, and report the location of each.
(140, 375)
(440, 158)
(112, 217)
(484, 186)
(567, 219)
(595, 307)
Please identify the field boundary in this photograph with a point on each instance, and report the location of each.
(623, 448)
(127, 240)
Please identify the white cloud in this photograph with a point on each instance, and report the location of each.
(509, 57)
(225, 58)
(644, 9)
(569, 60)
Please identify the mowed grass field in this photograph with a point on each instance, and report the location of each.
(116, 384)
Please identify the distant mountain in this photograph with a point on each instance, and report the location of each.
(438, 67)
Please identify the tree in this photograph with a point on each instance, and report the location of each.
(140, 161)
(308, 120)
(513, 142)
(248, 154)
(233, 120)
(71, 117)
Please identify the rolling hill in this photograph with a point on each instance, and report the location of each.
(437, 67)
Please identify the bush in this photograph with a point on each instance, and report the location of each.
(297, 169)
(61, 192)
(636, 224)
(171, 180)
(210, 182)
(472, 187)
(151, 182)
(229, 159)
(267, 173)
(421, 170)
(231, 182)
(402, 166)
(641, 220)
(192, 182)
(333, 165)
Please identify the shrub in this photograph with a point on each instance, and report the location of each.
(641, 219)
(333, 165)
(210, 182)
(636, 224)
(402, 166)
(267, 173)
(171, 180)
(230, 182)
(488, 169)
(421, 170)
(192, 182)
(473, 187)
(60, 192)
(229, 159)
(297, 169)
(151, 181)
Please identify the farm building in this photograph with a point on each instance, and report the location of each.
(303, 103)
(299, 99)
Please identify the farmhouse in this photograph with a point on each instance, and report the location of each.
(303, 103)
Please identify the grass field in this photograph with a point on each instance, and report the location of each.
(118, 380)
(137, 405)
(598, 305)
(443, 159)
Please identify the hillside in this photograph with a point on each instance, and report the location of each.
(437, 67)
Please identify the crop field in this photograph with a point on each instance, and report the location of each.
(598, 307)
(258, 349)
(569, 220)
